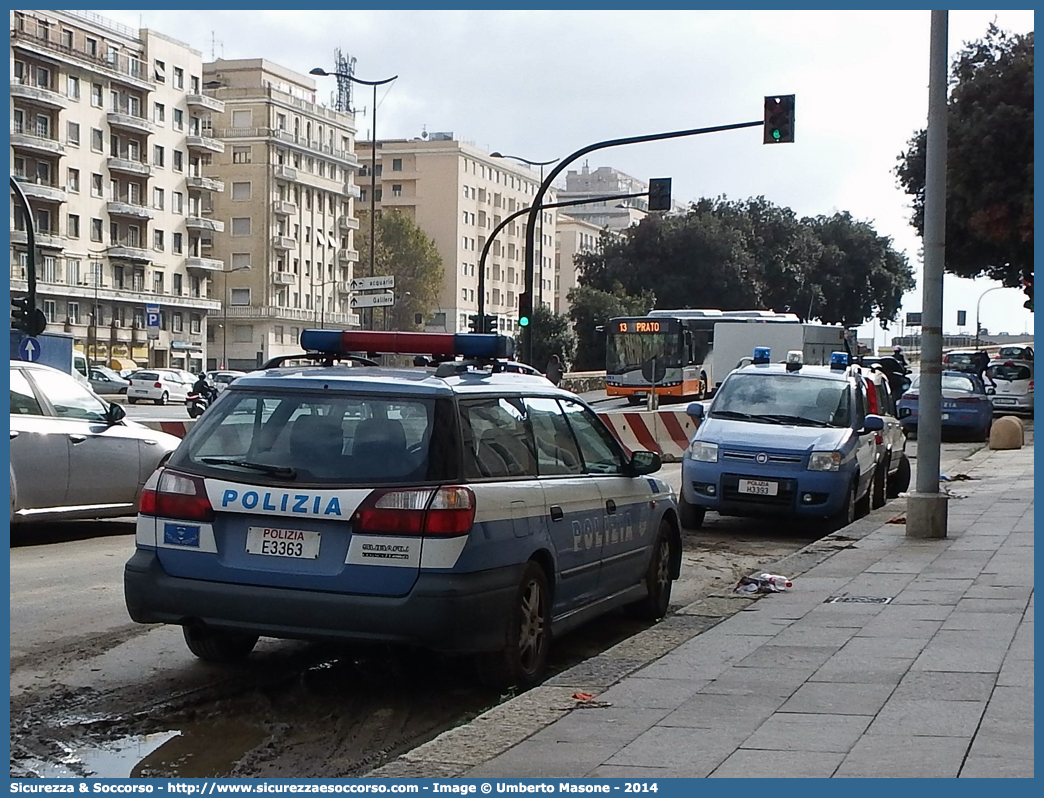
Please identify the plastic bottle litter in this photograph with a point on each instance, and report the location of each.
(762, 583)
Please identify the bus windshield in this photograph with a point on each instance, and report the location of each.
(628, 351)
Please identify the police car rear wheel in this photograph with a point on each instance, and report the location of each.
(901, 481)
(525, 653)
(214, 645)
(658, 580)
(880, 488)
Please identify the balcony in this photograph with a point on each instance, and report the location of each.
(211, 104)
(284, 243)
(200, 183)
(344, 286)
(283, 172)
(34, 143)
(125, 69)
(348, 256)
(134, 253)
(40, 191)
(200, 223)
(37, 95)
(293, 314)
(348, 223)
(135, 124)
(119, 208)
(284, 278)
(131, 167)
(284, 208)
(207, 265)
(206, 143)
(44, 239)
(352, 190)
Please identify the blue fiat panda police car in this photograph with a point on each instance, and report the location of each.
(783, 439)
(464, 509)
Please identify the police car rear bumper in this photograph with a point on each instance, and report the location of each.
(452, 613)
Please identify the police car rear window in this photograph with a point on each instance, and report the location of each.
(318, 438)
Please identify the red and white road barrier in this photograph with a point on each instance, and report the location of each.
(665, 431)
(178, 428)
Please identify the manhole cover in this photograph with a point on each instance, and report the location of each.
(858, 600)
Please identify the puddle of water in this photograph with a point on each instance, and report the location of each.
(197, 750)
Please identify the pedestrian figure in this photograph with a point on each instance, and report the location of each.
(554, 369)
(897, 353)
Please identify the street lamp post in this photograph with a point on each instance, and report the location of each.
(541, 164)
(224, 315)
(373, 157)
(979, 305)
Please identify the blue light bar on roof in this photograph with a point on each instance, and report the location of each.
(762, 354)
(406, 343)
(838, 360)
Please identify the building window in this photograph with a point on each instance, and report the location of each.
(157, 156)
(241, 226)
(74, 312)
(96, 230)
(377, 194)
(239, 296)
(176, 323)
(72, 88)
(240, 260)
(177, 202)
(96, 95)
(241, 192)
(159, 113)
(241, 155)
(277, 333)
(96, 185)
(72, 184)
(97, 140)
(396, 164)
(242, 118)
(157, 240)
(179, 161)
(179, 119)
(178, 281)
(362, 196)
(157, 199)
(195, 324)
(179, 78)
(73, 134)
(73, 226)
(175, 243)
(72, 271)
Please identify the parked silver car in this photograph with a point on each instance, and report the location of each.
(72, 454)
(105, 381)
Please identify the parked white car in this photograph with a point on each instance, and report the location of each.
(159, 386)
(222, 379)
(1012, 385)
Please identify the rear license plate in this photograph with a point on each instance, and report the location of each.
(758, 487)
(299, 544)
(1001, 401)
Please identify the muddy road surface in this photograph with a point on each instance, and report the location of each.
(93, 694)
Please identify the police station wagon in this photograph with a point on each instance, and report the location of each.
(464, 509)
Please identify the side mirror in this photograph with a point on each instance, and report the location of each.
(694, 411)
(114, 414)
(642, 463)
(873, 423)
(904, 412)
(990, 390)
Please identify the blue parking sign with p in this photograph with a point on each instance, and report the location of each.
(152, 319)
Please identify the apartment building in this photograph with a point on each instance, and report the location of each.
(288, 250)
(110, 143)
(457, 194)
(572, 237)
(604, 182)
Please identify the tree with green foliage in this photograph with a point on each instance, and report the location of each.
(590, 309)
(551, 336)
(989, 169)
(407, 253)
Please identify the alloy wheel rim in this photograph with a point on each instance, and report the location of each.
(531, 634)
(663, 577)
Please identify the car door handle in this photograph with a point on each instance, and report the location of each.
(610, 506)
(556, 513)
(77, 438)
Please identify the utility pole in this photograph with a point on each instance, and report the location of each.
(926, 509)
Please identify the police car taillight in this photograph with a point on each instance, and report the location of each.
(169, 494)
(417, 511)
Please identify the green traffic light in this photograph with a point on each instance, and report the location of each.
(776, 134)
(523, 322)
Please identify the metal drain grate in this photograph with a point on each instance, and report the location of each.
(858, 600)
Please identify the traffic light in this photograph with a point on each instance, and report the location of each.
(26, 318)
(525, 308)
(779, 119)
(660, 194)
(473, 324)
(1027, 287)
(490, 325)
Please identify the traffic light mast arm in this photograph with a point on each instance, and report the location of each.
(527, 280)
(489, 241)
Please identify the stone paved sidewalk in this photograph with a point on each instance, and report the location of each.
(938, 682)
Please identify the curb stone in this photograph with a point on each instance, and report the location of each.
(456, 751)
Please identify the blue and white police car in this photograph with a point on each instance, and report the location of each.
(783, 439)
(466, 509)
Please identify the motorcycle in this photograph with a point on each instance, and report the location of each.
(196, 404)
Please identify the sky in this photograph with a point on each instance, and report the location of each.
(543, 84)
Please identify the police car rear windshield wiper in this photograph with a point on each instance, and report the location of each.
(798, 420)
(274, 470)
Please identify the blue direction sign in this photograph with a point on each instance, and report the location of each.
(29, 349)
